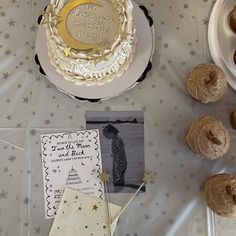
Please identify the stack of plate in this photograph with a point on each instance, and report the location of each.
(222, 40)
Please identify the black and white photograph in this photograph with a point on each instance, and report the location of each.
(122, 147)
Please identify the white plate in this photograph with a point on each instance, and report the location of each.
(222, 41)
(142, 56)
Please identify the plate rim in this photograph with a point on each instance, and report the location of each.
(214, 43)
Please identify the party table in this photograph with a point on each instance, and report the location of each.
(30, 106)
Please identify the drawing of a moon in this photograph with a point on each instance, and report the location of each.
(62, 24)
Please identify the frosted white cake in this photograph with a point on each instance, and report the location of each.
(94, 43)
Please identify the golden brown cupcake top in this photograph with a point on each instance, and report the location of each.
(207, 83)
(208, 138)
(220, 194)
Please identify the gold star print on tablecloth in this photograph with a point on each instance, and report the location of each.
(66, 51)
(104, 176)
(95, 208)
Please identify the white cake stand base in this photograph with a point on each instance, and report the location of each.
(142, 57)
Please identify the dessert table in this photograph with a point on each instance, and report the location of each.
(31, 105)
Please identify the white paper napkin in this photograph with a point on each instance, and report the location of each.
(81, 214)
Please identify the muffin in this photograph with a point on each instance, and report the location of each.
(220, 194)
(232, 20)
(207, 83)
(208, 138)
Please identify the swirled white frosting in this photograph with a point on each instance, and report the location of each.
(86, 68)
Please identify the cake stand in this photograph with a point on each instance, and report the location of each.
(222, 40)
(137, 71)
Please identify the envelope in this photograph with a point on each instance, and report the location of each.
(84, 215)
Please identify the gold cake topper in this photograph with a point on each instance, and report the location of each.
(62, 25)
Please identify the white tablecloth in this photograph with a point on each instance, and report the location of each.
(30, 105)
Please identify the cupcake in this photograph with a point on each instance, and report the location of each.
(207, 83)
(220, 194)
(208, 138)
(232, 20)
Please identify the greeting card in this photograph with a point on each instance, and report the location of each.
(70, 159)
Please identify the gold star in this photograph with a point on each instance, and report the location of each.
(104, 176)
(148, 178)
(95, 208)
(67, 51)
